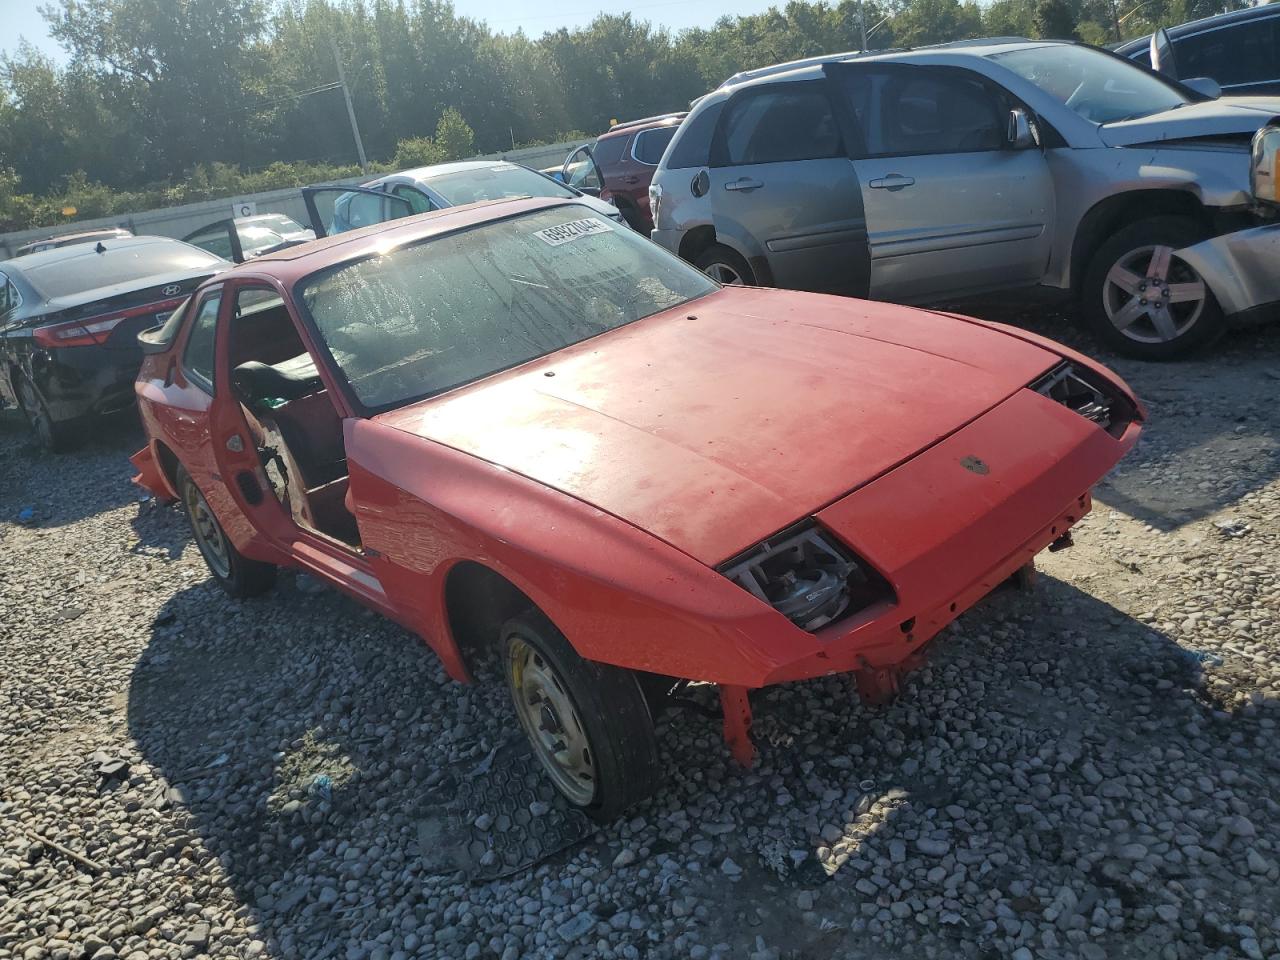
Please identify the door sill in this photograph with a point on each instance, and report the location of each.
(340, 564)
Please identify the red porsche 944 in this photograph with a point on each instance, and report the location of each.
(519, 429)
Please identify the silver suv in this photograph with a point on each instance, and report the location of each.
(929, 174)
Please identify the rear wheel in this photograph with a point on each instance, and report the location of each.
(50, 434)
(235, 573)
(589, 723)
(1145, 301)
(725, 266)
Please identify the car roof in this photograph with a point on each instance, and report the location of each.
(74, 251)
(1214, 22)
(796, 69)
(294, 262)
(440, 169)
(96, 232)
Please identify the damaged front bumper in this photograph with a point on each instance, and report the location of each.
(1243, 271)
(947, 528)
(150, 476)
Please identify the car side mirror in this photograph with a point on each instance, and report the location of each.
(1020, 134)
(1264, 166)
(1205, 86)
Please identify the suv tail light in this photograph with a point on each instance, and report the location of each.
(95, 330)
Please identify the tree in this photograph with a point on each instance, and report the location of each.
(1056, 20)
(1010, 18)
(937, 21)
(189, 68)
(454, 138)
(417, 152)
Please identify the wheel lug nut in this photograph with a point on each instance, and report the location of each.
(1143, 301)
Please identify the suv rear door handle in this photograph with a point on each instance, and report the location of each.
(631, 178)
(894, 181)
(743, 183)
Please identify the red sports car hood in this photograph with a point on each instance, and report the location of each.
(716, 425)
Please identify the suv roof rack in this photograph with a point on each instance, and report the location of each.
(654, 119)
(848, 55)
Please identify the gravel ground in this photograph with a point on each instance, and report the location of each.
(1088, 770)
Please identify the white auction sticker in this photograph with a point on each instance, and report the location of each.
(563, 233)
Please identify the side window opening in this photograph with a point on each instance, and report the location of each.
(918, 113)
(792, 122)
(1240, 54)
(198, 356)
(608, 150)
(418, 201)
(693, 138)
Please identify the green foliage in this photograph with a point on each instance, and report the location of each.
(454, 138)
(1056, 20)
(170, 101)
(417, 152)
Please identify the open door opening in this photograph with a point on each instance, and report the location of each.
(581, 172)
(339, 209)
(290, 417)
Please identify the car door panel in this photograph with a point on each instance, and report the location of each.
(949, 208)
(969, 221)
(792, 200)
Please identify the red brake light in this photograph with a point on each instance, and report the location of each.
(94, 330)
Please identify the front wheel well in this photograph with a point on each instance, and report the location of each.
(1119, 211)
(478, 601)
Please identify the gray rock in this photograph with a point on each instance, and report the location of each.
(576, 928)
(931, 847)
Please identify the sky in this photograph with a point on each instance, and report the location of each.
(21, 18)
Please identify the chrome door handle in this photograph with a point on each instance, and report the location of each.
(894, 181)
(743, 183)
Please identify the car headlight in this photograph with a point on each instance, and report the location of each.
(1082, 391)
(808, 576)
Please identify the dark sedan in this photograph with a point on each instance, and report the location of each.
(69, 320)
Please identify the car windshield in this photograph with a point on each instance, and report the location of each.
(256, 237)
(277, 222)
(498, 182)
(424, 318)
(1096, 85)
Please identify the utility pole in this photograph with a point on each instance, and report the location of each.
(862, 24)
(351, 111)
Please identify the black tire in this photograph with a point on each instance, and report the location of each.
(611, 711)
(52, 435)
(720, 264)
(239, 576)
(632, 216)
(1194, 325)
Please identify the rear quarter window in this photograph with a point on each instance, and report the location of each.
(650, 144)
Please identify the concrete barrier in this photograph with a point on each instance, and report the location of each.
(179, 221)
